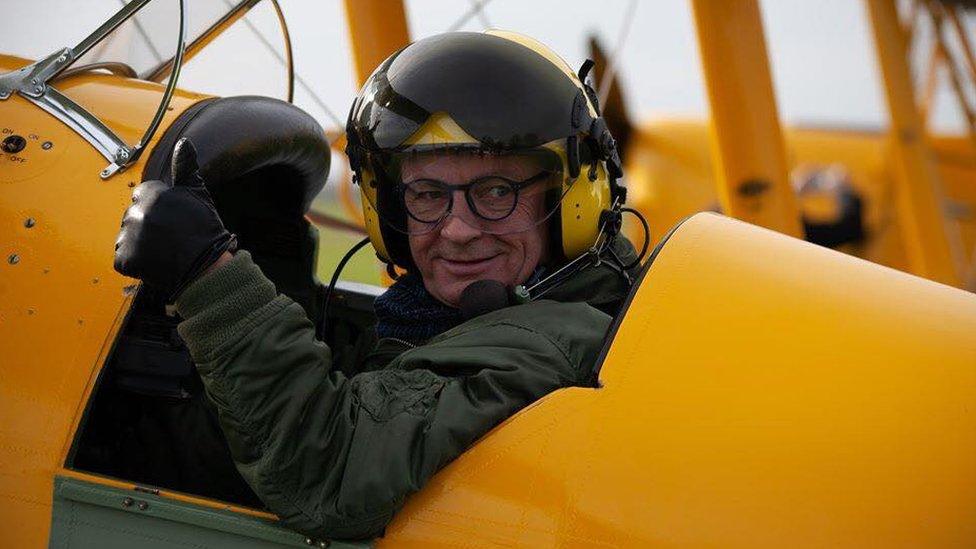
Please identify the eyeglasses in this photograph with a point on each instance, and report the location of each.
(491, 198)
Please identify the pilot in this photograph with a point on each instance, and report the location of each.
(490, 179)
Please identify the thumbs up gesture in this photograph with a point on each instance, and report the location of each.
(171, 234)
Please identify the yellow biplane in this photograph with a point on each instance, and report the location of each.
(757, 390)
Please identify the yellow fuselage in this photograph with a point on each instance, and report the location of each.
(758, 391)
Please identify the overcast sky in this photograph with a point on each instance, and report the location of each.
(821, 51)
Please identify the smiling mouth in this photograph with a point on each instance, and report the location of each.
(465, 266)
(467, 261)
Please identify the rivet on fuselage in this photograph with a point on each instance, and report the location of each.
(13, 259)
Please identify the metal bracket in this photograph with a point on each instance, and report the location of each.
(32, 80)
(87, 126)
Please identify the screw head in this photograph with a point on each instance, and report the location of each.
(127, 502)
(13, 259)
(122, 155)
(143, 505)
(33, 81)
(47, 145)
(29, 222)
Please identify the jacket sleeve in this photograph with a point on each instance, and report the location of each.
(334, 457)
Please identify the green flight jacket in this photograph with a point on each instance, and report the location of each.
(335, 456)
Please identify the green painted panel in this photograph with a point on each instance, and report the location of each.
(103, 517)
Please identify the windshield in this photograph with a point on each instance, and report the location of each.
(146, 41)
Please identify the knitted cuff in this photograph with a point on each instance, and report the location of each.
(214, 305)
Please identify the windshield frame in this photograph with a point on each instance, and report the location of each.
(34, 83)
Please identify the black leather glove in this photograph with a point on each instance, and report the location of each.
(172, 233)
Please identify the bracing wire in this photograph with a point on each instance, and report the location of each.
(298, 78)
(482, 16)
(145, 36)
(476, 8)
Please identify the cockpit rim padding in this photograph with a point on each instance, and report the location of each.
(238, 135)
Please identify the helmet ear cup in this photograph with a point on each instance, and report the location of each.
(371, 219)
(396, 243)
(391, 246)
(580, 210)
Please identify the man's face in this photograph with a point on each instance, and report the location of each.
(463, 248)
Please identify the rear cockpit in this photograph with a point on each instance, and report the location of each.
(149, 421)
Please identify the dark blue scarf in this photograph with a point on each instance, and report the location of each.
(407, 311)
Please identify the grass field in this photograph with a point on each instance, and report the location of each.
(333, 244)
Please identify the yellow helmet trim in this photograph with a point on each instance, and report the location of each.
(440, 129)
(371, 219)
